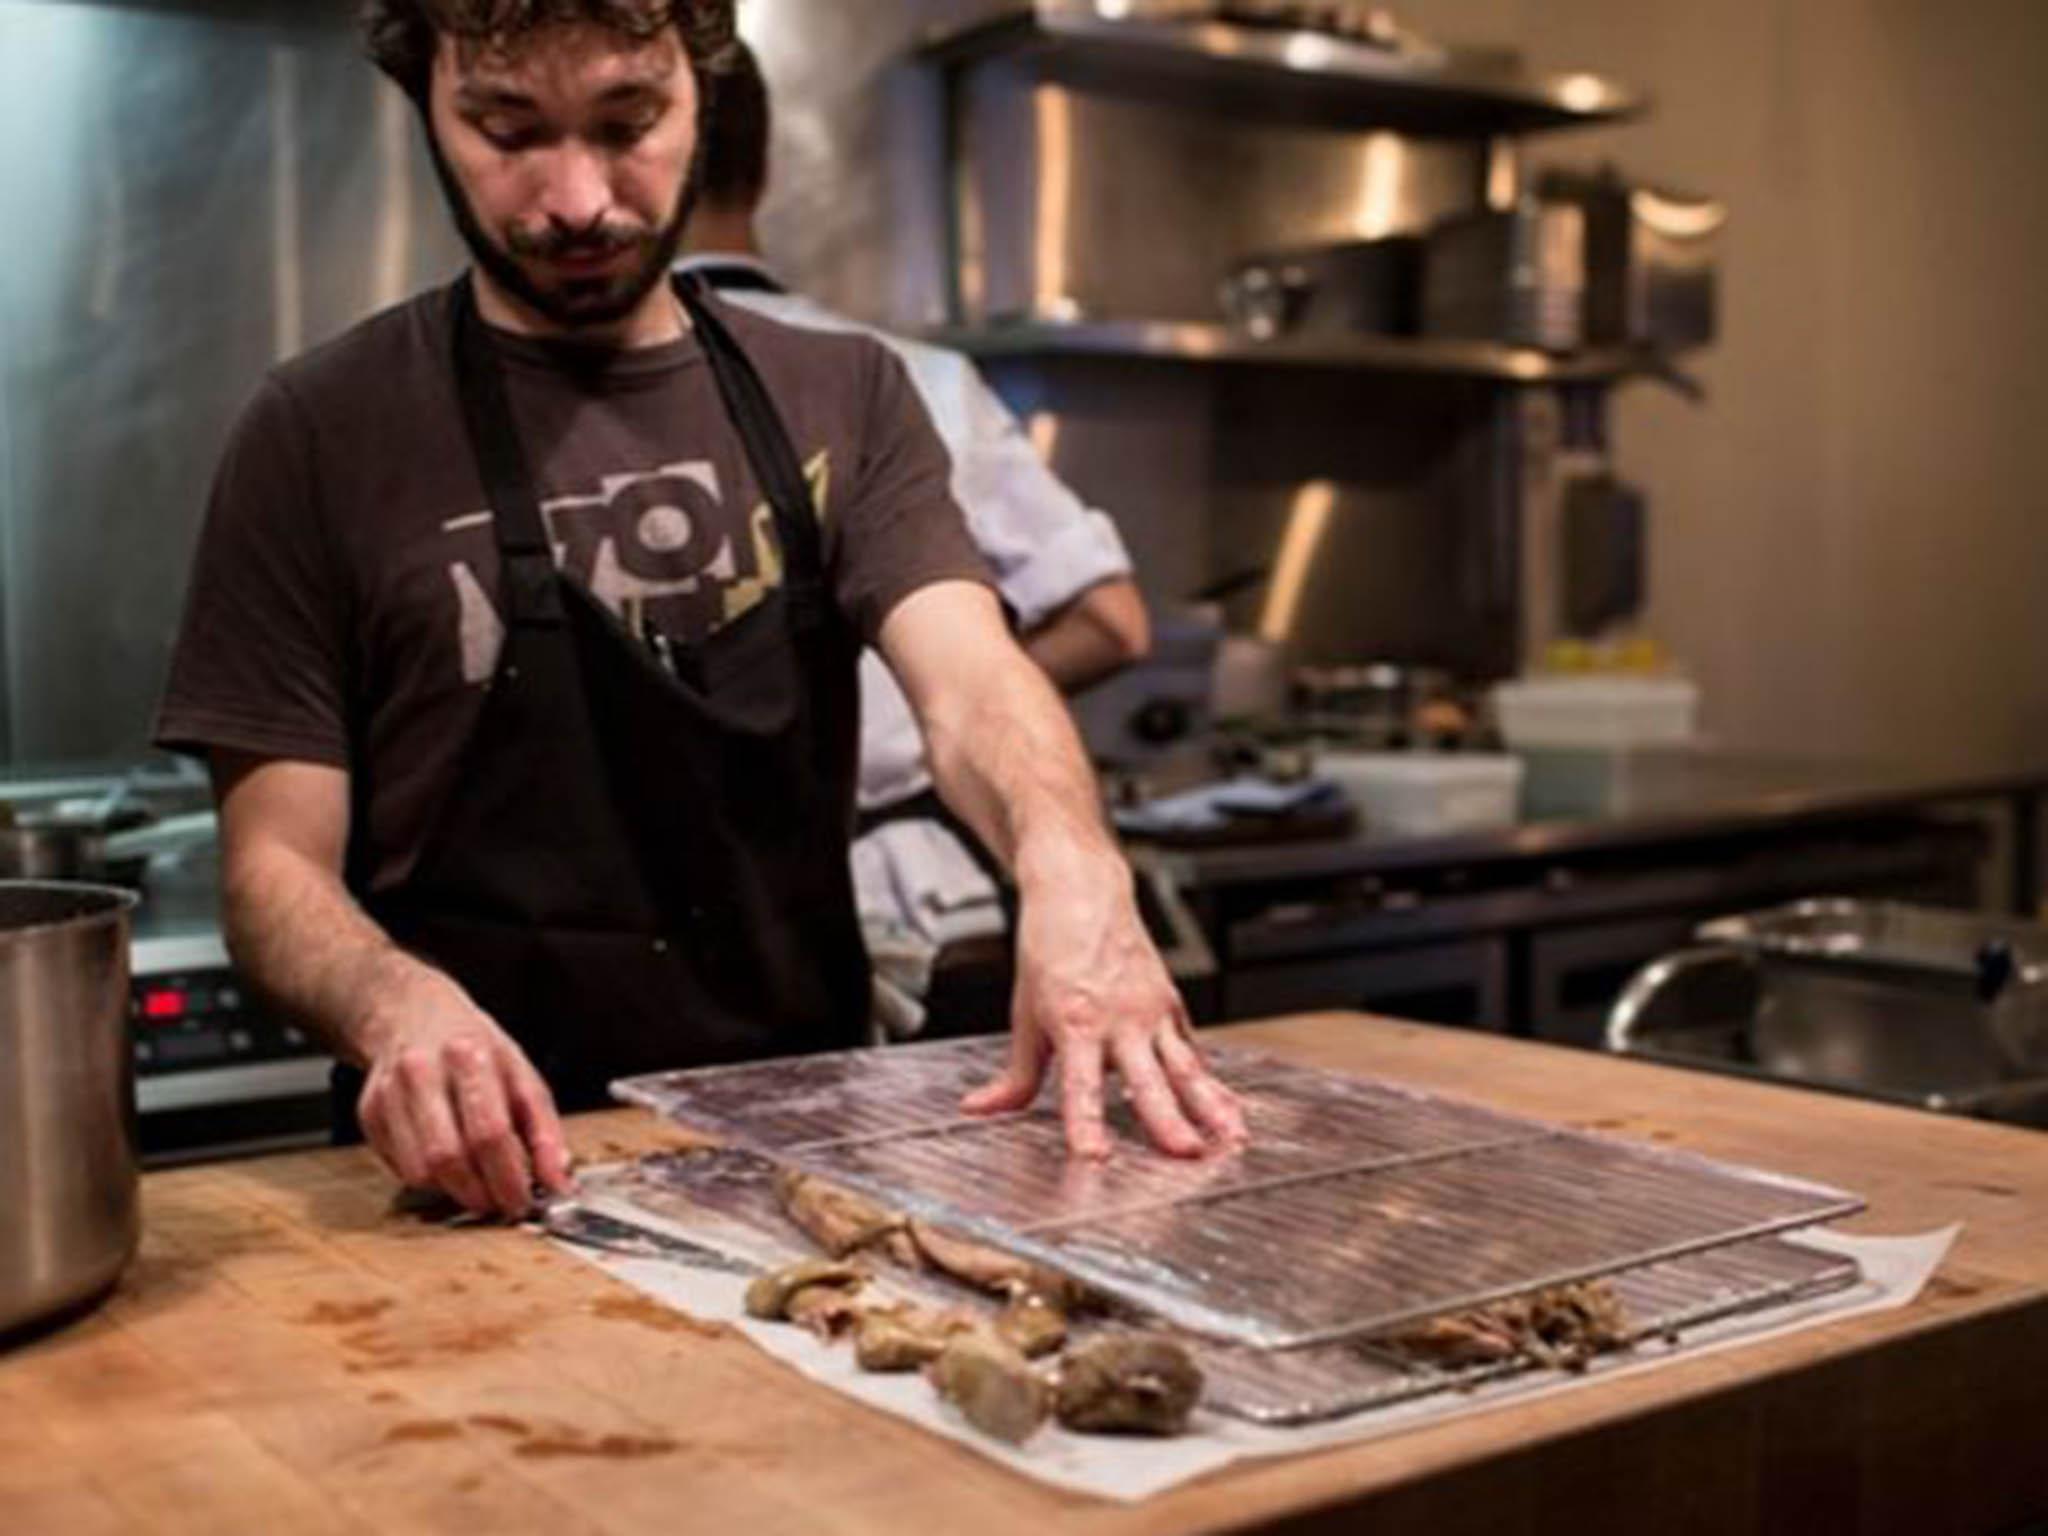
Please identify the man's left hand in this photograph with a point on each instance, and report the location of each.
(1093, 995)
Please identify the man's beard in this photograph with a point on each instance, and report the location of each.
(574, 304)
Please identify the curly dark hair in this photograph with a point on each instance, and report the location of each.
(401, 35)
(736, 134)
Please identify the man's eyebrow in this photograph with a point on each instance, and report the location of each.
(492, 98)
(649, 87)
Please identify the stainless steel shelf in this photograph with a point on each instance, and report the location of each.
(1192, 341)
(1289, 75)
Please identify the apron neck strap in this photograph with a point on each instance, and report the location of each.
(766, 439)
(531, 596)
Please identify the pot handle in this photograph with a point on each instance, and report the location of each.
(1653, 1002)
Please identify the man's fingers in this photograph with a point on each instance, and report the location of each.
(1213, 1105)
(390, 1136)
(1152, 1096)
(1021, 1078)
(434, 1128)
(539, 1126)
(1081, 1096)
(485, 1120)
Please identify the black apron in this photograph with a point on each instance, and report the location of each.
(746, 277)
(642, 863)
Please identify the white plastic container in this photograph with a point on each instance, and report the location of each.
(1425, 794)
(1597, 712)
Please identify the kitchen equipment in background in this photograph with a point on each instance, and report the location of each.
(52, 851)
(1941, 1010)
(1427, 794)
(1383, 705)
(1164, 703)
(1371, 286)
(1596, 711)
(1651, 258)
(67, 1111)
(1373, 25)
(1251, 679)
(69, 839)
(1602, 531)
(1255, 810)
(214, 1075)
(1515, 276)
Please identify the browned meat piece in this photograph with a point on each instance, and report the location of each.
(886, 1342)
(993, 1386)
(838, 1220)
(901, 1248)
(1032, 1325)
(1576, 1322)
(1134, 1384)
(991, 1269)
(829, 1311)
(905, 1338)
(1562, 1327)
(1456, 1342)
(769, 1295)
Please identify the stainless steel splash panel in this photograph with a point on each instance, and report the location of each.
(1070, 204)
(196, 192)
(1416, 557)
(1359, 1205)
(725, 1198)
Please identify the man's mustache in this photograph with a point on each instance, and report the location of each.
(556, 243)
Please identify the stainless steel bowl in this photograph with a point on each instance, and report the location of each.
(64, 850)
(1942, 1010)
(69, 1216)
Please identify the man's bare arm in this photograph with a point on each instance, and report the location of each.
(450, 1100)
(1100, 632)
(1092, 991)
(295, 932)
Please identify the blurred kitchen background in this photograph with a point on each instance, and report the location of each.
(1681, 360)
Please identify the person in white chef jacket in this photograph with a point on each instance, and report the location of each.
(922, 880)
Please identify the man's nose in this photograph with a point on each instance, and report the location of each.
(576, 193)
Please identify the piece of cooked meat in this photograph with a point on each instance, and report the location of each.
(1463, 1340)
(904, 1338)
(829, 1311)
(992, 1385)
(1032, 1325)
(991, 1269)
(1576, 1322)
(838, 1220)
(1133, 1384)
(1563, 1326)
(769, 1295)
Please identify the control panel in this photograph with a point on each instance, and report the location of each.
(197, 1019)
(200, 1041)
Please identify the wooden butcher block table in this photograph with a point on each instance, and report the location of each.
(290, 1356)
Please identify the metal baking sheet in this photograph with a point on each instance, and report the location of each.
(1359, 1206)
(676, 1194)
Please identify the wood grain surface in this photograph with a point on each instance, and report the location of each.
(291, 1355)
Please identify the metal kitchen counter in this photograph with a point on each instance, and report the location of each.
(1590, 803)
(289, 1353)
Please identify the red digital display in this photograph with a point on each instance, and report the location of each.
(163, 1005)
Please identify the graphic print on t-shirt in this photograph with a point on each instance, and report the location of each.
(656, 546)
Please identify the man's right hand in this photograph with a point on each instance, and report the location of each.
(452, 1104)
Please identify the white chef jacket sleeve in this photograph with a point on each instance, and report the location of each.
(1044, 544)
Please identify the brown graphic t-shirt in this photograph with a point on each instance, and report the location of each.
(344, 602)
